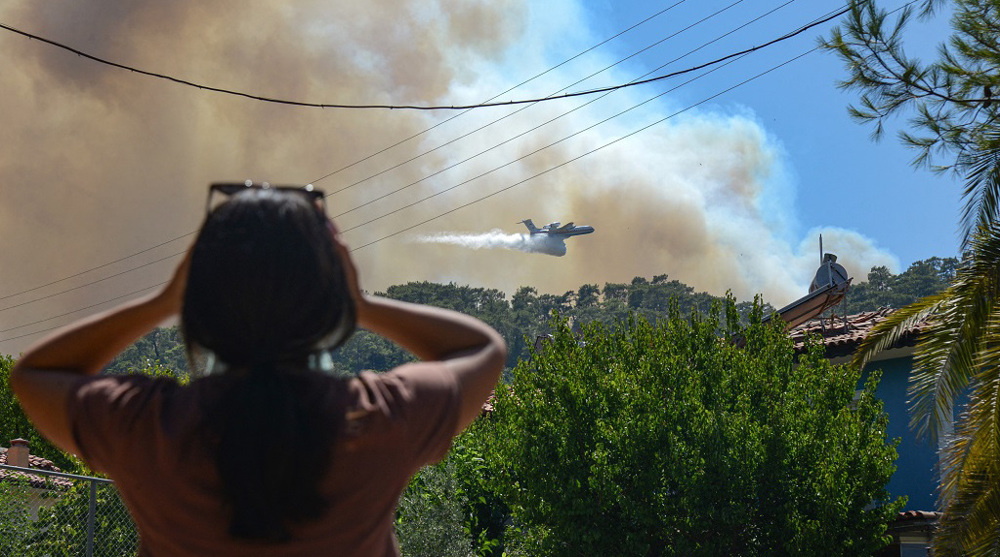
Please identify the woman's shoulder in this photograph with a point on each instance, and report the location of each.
(413, 407)
(119, 391)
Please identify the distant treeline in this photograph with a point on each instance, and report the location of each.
(884, 289)
(527, 314)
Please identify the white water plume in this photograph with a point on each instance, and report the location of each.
(494, 239)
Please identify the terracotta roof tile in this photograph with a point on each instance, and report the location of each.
(842, 335)
(35, 480)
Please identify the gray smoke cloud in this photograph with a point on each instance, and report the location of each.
(100, 163)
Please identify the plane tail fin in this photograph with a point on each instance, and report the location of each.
(531, 226)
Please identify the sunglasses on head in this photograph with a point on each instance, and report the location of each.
(219, 192)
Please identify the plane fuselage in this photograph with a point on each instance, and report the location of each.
(557, 229)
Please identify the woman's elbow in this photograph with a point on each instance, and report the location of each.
(496, 353)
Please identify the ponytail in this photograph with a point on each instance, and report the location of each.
(273, 450)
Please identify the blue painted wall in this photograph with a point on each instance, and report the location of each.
(916, 474)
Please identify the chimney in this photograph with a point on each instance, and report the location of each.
(17, 454)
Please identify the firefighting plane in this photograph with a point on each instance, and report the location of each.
(556, 229)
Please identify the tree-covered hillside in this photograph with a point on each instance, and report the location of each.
(884, 289)
(520, 319)
(526, 315)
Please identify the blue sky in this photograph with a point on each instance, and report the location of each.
(839, 176)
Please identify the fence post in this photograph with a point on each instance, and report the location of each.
(90, 518)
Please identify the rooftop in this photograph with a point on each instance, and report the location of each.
(842, 335)
(34, 480)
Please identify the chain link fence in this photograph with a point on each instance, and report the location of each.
(50, 514)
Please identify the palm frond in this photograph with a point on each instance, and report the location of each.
(971, 495)
(982, 187)
(950, 352)
(887, 333)
(942, 366)
(955, 322)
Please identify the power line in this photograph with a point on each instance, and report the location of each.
(77, 310)
(383, 150)
(578, 157)
(471, 179)
(91, 283)
(546, 171)
(529, 178)
(423, 107)
(526, 107)
(101, 266)
(504, 142)
(428, 151)
(483, 174)
(40, 331)
(526, 81)
(540, 149)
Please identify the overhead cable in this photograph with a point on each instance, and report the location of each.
(132, 293)
(518, 183)
(546, 171)
(494, 97)
(466, 181)
(526, 107)
(456, 164)
(545, 123)
(92, 282)
(578, 157)
(383, 150)
(424, 107)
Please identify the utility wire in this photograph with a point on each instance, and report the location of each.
(520, 182)
(498, 95)
(522, 134)
(540, 149)
(422, 154)
(120, 259)
(594, 150)
(612, 142)
(91, 283)
(383, 150)
(76, 310)
(526, 107)
(424, 107)
(471, 179)
(542, 173)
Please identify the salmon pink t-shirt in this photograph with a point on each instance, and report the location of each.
(147, 435)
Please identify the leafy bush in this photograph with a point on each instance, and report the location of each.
(667, 439)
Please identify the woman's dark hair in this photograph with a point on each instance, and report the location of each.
(266, 289)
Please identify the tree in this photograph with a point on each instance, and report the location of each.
(61, 529)
(665, 439)
(15, 517)
(163, 346)
(884, 289)
(953, 127)
(448, 509)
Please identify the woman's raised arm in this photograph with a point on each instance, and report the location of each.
(51, 370)
(471, 349)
